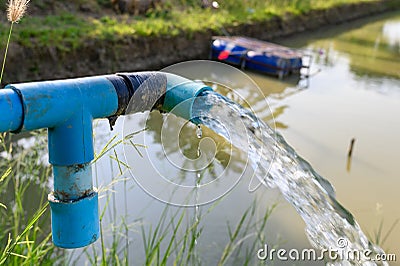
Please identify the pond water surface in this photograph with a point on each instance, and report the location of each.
(354, 92)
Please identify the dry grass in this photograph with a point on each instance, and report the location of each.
(16, 10)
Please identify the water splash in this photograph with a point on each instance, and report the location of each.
(276, 164)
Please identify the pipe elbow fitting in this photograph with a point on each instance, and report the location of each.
(145, 91)
(180, 96)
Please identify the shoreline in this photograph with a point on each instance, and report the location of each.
(151, 53)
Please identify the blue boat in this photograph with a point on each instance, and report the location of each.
(253, 54)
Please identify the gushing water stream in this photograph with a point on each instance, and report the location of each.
(328, 224)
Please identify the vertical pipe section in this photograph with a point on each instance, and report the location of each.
(67, 108)
(74, 224)
(72, 182)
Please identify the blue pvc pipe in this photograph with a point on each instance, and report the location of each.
(67, 108)
(72, 141)
(11, 114)
(75, 224)
(180, 96)
(49, 104)
(72, 182)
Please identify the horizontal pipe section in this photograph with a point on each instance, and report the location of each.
(148, 90)
(48, 104)
(52, 104)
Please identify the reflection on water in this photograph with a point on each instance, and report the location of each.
(373, 49)
(391, 32)
(186, 146)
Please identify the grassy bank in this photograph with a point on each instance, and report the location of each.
(24, 228)
(68, 30)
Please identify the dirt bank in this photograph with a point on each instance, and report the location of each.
(134, 54)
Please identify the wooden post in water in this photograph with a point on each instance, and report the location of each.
(349, 153)
(351, 147)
